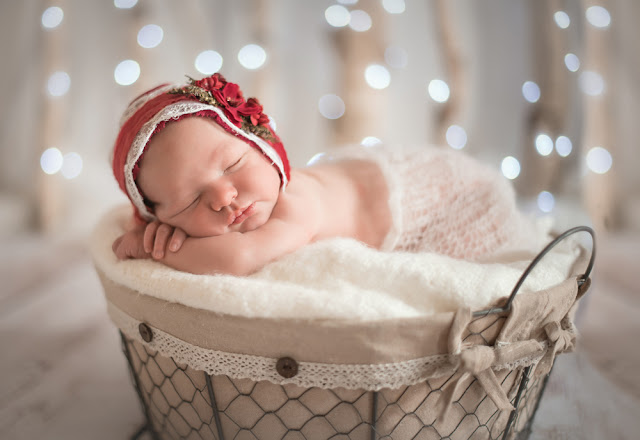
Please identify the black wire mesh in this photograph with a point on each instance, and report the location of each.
(178, 400)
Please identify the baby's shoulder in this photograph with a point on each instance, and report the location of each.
(339, 172)
(300, 196)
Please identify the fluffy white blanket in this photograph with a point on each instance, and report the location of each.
(337, 279)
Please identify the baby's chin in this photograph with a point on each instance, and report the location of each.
(250, 224)
(246, 226)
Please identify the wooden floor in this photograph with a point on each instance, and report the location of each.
(64, 376)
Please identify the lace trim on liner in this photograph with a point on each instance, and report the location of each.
(371, 377)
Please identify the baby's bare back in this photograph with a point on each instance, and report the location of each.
(350, 198)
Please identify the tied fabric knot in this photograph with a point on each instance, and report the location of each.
(560, 340)
(478, 361)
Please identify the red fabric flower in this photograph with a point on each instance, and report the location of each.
(253, 110)
(211, 83)
(231, 101)
(233, 95)
(230, 98)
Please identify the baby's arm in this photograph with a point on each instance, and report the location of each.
(238, 253)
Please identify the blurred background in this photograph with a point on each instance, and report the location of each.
(546, 91)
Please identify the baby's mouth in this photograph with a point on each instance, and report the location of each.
(241, 214)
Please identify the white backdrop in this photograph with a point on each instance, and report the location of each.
(499, 43)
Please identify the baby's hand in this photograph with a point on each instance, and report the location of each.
(129, 245)
(158, 237)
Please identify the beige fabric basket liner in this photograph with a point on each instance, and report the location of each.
(355, 355)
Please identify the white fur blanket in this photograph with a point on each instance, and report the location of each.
(337, 279)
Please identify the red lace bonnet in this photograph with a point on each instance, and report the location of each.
(211, 97)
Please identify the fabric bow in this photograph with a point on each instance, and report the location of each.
(560, 340)
(478, 361)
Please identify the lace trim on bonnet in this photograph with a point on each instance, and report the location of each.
(143, 99)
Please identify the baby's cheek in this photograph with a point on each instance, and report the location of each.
(204, 225)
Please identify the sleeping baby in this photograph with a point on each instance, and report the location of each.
(212, 190)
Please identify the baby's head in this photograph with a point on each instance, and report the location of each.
(171, 155)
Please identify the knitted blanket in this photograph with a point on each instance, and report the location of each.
(338, 279)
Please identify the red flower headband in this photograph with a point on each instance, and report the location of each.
(215, 90)
(213, 97)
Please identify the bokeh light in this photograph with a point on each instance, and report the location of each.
(125, 4)
(438, 90)
(208, 62)
(370, 141)
(591, 83)
(456, 137)
(71, 165)
(546, 201)
(572, 62)
(315, 158)
(360, 21)
(272, 123)
(127, 72)
(331, 106)
(337, 16)
(510, 167)
(564, 146)
(377, 76)
(598, 16)
(562, 19)
(394, 6)
(51, 160)
(52, 17)
(531, 91)
(544, 144)
(252, 56)
(599, 160)
(150, 36)
(396, 57)
(347, 2)
(58, 84)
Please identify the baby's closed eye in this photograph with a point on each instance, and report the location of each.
(235, 164)
(193, 203)
(187, 207)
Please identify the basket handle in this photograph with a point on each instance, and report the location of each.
(581, 280)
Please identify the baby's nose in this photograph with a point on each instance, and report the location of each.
(223, 195)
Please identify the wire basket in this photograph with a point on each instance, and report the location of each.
(454, 400)
(178, 402)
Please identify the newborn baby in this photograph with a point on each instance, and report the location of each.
(213, 193)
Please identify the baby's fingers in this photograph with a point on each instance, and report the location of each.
(150, 236)
(162, 237)
(178, 237)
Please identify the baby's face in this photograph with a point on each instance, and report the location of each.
(206, 181)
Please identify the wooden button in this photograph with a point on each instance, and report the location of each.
(145, 332)
(287, 367)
